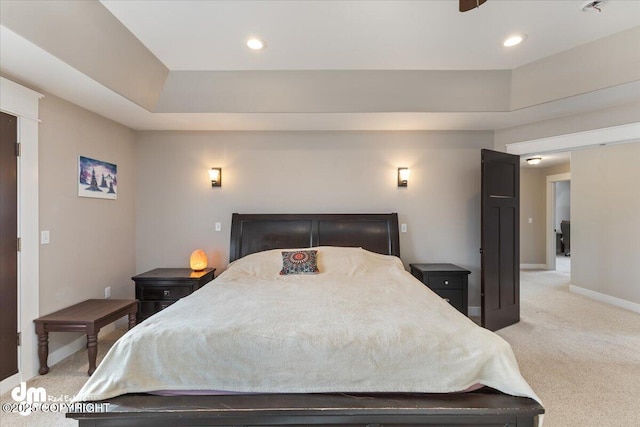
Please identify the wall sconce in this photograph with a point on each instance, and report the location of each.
(403, 176)
(534, 160)
(216, 177)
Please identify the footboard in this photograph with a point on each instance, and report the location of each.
(485, 408)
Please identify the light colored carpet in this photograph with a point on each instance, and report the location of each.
(62, 382)
(582, 357)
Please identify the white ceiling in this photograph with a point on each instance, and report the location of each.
(364, 35)
(209, 35)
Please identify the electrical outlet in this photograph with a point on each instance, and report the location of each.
(107, 292)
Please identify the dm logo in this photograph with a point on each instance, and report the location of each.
(29, 396)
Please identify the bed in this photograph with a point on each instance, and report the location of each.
(354, 369)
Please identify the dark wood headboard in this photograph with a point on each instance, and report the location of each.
(260, 232)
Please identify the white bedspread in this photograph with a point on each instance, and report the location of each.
(363, 324)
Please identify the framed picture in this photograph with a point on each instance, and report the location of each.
(97, 179)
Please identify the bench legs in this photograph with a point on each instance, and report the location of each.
(92, 347)
(90, 328)
(132, 319)
(43, 349)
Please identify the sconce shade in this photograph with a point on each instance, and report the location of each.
(403, 176)
(198, 260)
(216, 177)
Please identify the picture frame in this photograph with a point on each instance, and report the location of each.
(97, 178)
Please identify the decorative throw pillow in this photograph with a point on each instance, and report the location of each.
(299, 262)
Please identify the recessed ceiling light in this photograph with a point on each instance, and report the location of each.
(514, 40)
(255, 43)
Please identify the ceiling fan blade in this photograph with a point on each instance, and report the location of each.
(466, 5)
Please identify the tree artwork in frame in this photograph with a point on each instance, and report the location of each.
(97, 179)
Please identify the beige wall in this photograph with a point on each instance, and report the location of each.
(605, 255)
(533, 202)
(583, 69)
(296, 172)
(605, 224)
(532, 205)
(92, 240)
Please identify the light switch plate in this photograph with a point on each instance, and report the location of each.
(44, 237)
(218, 226)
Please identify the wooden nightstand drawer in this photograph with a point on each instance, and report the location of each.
(453, 297)
(159, 288)
(147, 308)
(446, 281)
(164, 293)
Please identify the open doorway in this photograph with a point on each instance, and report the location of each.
(562, 225)
(544, 204)
(558, 224)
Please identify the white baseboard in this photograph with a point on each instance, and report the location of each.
(474, 312)
(533, 266)
(608, 299)
(10, 383)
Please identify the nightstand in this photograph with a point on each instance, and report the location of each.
(447, 280)
(159, 288)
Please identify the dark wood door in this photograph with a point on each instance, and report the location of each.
(500, 240)
(8, 246)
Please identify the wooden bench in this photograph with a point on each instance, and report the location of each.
(88, 317)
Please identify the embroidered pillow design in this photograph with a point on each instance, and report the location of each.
(299, 262)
